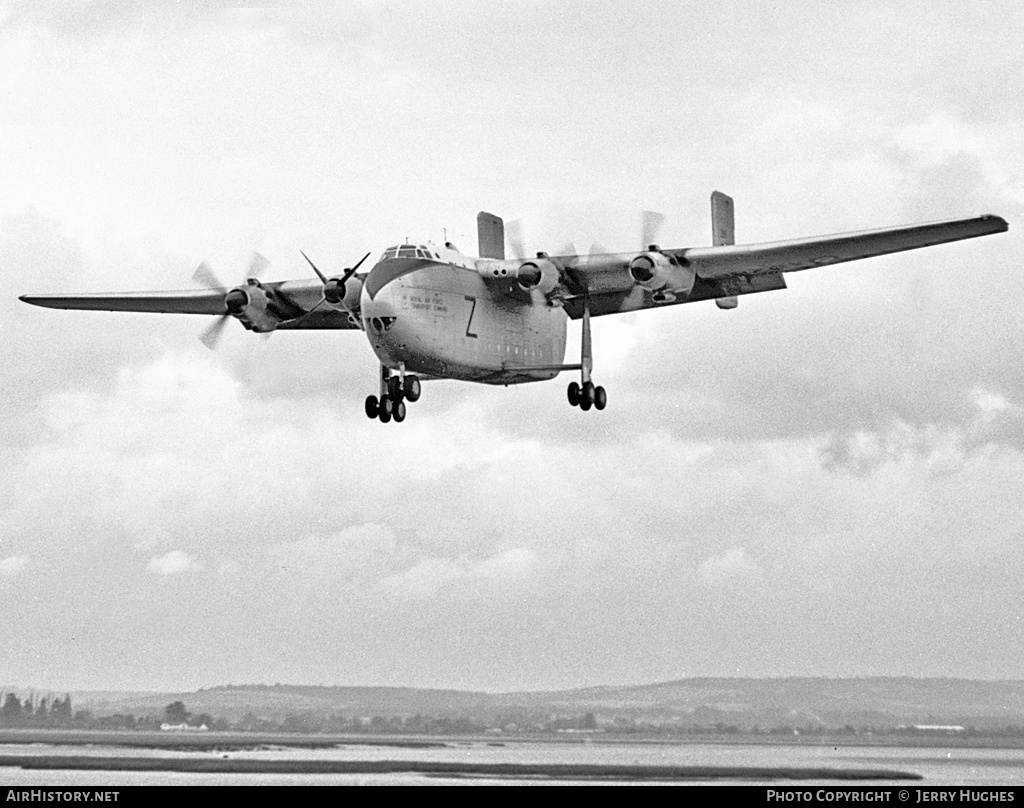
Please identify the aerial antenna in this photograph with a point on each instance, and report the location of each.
(445, 229)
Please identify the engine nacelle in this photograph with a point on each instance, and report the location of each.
(343, 296)
(539, 274)
(651, 270)
(664, 276)
(516, 277)
(249, 304)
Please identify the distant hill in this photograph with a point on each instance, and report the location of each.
(803, 701)
(796, 702)
(274, 702)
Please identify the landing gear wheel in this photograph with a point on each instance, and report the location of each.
(386, 407)
(600, 398)
(371, 406)
(587, 394)
(574, 394)
(395, 388)
(412, 388)
(398, 413)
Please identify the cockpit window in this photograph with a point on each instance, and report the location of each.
(408, 251)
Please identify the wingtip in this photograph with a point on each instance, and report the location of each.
(37, 300)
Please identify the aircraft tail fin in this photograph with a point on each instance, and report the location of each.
(490, 231)
(723, 223)
(723, 232)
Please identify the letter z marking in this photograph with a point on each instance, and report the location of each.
(469, 325)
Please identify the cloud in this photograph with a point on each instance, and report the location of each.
(733, 567)
(172, 563)
(362, 551)
(991, 404)
(12, 565)
(428, 576)
(996, 422)
(90, 20)
(371, 558)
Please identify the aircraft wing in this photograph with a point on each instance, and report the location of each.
(291, 303)
(723, 272)
(201, 301)
(790, 256)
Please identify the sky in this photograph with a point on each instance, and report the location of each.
(827, 481)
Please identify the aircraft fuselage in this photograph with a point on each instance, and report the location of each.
(441, 318)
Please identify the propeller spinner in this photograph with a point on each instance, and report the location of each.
(334, 289)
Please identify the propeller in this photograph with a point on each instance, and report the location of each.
(204, 276)
(334, 289)
(650, 224)
(514, 234)
(234, 300)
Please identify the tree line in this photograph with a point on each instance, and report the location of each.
(41, 711)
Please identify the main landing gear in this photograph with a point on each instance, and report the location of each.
(586, 395)
(395, 390)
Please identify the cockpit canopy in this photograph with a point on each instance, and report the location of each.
(410, 251)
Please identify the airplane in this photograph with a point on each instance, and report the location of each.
(430, 312)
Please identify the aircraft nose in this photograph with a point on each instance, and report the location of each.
(379, 313)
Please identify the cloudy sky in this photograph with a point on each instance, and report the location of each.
(828, 480)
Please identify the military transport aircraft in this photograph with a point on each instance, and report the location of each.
(431, 312)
